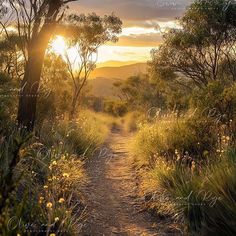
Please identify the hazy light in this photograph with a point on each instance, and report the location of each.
(58, 45)
(105, 53)
(119, 53)
(137, 31)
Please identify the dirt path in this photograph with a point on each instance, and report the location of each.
(112, 205)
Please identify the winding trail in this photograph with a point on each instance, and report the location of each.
(111, 195)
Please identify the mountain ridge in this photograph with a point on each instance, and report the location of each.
(120, 72)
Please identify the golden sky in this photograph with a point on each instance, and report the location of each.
(141, 21)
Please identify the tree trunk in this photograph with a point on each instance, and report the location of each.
(74, 105)
(31, 81)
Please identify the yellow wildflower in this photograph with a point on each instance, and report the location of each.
(49, 205)
(65, 175)
(54, 178)
(61, 200)
(54, 163)
(41, 198)
(56, 219)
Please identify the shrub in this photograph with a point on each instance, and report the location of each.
(204, 201)
(172, 137)
(8, 95)
(132, 121)
(115, 108)
(82, 136)
(46, 194)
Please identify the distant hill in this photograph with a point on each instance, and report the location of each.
(121, 72)
(115, 63)
(102, 79)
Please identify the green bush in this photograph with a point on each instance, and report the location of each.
(81, 136)
(40, 187)
(217, 100)
(115, 108)
(172, 137)
(8, 101)
(205, 201)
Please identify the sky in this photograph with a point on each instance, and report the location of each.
(141, 18)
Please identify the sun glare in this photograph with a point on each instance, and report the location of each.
(58, 45)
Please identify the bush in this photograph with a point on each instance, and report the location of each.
(132, 121)
(46, 197)
(8, 101)
(43, 186)
(82, 136)
(172, 137)
(204, 201)
(216, 100)
(115, 108)
(189, 173)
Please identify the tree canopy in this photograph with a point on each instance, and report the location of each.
(206, 39)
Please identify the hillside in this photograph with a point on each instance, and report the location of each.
(102, 87)
(102, 79)
(115, 63)
(121, 72)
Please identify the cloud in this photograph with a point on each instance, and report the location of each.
(140, 18)
(140, 40)
(135, 11)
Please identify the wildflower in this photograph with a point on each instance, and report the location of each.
(18, 235)
(54, 163)
(49, 205)
(61, 143)
(52, 234)
(45, 187)
(54, 178)
(65, 175)
(56, 219)
(61, 200)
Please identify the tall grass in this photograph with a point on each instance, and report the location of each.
(189, 174)
(48, 176)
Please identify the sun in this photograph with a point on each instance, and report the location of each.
(58, 45)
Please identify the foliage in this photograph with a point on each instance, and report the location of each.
(139, 93)
(205, 40)
(187, 138)
(47, 193)
(204, 200)
(81, 136)
(115, 108)
(87, 34)
(8, 94)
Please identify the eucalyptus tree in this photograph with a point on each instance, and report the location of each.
(87, 34)
(205, 41)
(35, 22)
